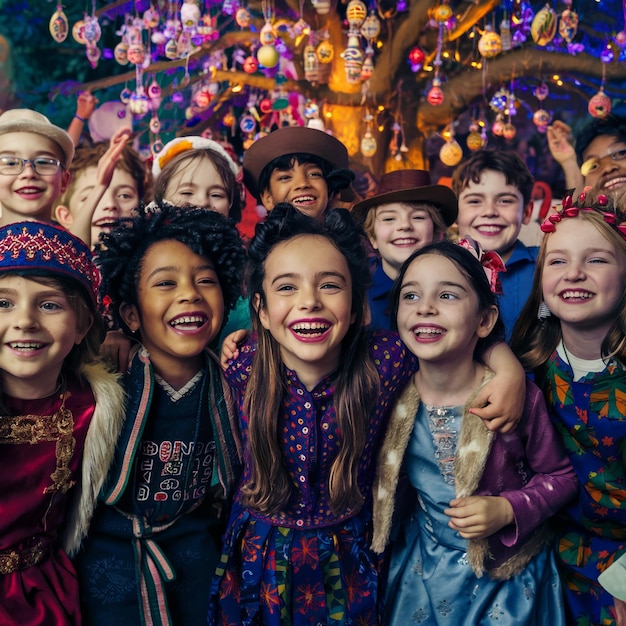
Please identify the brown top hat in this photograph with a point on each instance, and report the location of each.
(410, 186)
(291, 140)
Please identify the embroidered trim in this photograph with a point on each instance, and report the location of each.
(173, 394)
(15, 560)
(33, 429)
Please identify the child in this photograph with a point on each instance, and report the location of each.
(494, 191)
(474, 546)
(35, 156)
(61, 414)
(406, 213)
(153, 543)
(303, 166)
(576, 350)
(194, 171)
(312, 405)
(307, 480)
(112, 171)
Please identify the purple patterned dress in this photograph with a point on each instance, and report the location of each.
(307, 565)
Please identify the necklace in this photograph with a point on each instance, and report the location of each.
(566, 355)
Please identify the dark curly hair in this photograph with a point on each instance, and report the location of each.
(357, 381)
(613, 125)
(120, 253)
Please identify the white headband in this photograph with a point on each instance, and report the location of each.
(182, 144)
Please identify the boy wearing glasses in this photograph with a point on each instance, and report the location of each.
(601, 151)
(34, 165)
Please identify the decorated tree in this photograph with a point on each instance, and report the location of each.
(402, 84)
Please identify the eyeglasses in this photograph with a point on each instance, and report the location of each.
(44, 166)
(591, 165)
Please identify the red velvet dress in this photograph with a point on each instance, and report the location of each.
(40, 454)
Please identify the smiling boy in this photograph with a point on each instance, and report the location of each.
(494, 190)
(34, 165)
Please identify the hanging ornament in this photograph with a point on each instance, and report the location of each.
(92, 32)
(368, 141)
(543, 27)
(442, 13)
(509, 131)
(325, 51)
(353, 60)
(93, 54)
(356, 13)
(120, 53)
(474, 140)
(497, 127)
(321, 6)
(59, 26)
(542, 91)
(155, 124)
(541, 119)
(370, 28)
(312, 115)
(243, 17)
(247, 124)
(268, 56)
(154, 93)
(139, 103)
(568, 25)
(151, 18)
(171, 49)
(137, 53)
(451, 153)
(367, 69)
(78, 32)
(125, 95)
(490, 44)
(505, 34)
(435, 95)
(311, 64)
(599, 105)
(189, 15)
(416, 59)
(250, 65)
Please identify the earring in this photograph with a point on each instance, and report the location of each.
(544, 312)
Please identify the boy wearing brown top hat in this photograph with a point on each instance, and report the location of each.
(406, 213)
(34, 159)
(303, 166)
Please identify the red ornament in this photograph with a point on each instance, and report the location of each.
(416, 58)
(435, 96)
(600, 105)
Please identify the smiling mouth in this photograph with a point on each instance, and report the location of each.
(188, 322)
(614, 183)
(576, 295)
(404, 242)
(303, 200)
(26, 346)
(310, 329)
(421, 331)
(490, 229)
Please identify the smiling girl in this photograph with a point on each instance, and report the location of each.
(571, 334)
(170, 276)
(471, 544)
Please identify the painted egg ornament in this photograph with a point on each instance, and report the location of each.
(139, 104)
(203, 98)
(154, 91)
(93, 54)
(155, 125)
(321, 6)
(368, 145)
(243, 18)
(325, 51)
(541, 92)
(120, 53)
(599, 105)
(568, 25)
(229, 119)
(157, 147)
(356, 13)
(509, 131)
(541, 118)
(171, 49)
(267, 56)
(620, 39)
(247, 124)
(474, 141)
(442, 13)
(543, 27)
(136, 53)
(59, 26)
(125, 95)
(151, 18)
(371, 27)
(490, 44)
(93, 32)
(497, 128)
(435, 95)
(250, 65)
(265, 105)
(451, 153)
(78, 32)
(267, 35)
(367, 68)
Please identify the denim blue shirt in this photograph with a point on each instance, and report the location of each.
(378, 296)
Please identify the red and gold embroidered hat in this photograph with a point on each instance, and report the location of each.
(41, 247)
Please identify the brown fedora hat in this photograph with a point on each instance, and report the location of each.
(291, 140)
(410, 186)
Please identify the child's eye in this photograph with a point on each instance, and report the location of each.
(207, 280)
(218, 195)
(410, 295)
(286, 288)
(448, 296)
(330, 286)
(50, 306)
(165, 283)
(555, 262)
(598, 260)
(127, 196)
(316, 174)
(5, 304)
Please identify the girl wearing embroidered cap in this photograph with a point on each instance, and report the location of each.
(61, 413)
(576, 347)
(472, 542)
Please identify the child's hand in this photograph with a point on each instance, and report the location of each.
(230, 346)
(558, 135)
(85, 104)
(620, 612)
(116, 349)
(501, 401)
(108, 161)
(478, 517)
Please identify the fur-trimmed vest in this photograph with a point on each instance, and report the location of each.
(104, 429)
(534, 499)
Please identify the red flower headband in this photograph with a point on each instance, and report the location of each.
(568, 210)
(491, 261)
